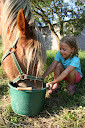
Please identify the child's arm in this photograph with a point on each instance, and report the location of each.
(62, 75)
(50, 68)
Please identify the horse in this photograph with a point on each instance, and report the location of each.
(24, 50)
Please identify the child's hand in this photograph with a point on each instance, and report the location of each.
(50, 85)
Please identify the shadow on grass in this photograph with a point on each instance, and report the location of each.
(3, 90)
(61, 100)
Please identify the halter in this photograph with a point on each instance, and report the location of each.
(21, 76)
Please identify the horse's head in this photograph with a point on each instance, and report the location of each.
(27, 52)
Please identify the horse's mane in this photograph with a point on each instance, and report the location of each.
(9, 14)
(10, 31)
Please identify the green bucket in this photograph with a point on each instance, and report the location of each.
(29, 103)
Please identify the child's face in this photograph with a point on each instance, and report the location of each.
(65, 50)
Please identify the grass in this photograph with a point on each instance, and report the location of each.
(60, 110)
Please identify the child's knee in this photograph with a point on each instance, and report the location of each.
(59, 65)
(73, 74)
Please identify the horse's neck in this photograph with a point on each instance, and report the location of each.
(8, 44)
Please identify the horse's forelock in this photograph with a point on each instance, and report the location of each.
(35, 56)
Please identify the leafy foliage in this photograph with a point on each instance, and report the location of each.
(58, 11)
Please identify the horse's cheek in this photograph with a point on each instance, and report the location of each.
(9, 68)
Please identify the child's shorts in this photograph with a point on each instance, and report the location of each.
(77, 79)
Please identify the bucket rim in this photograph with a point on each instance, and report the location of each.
(33, 90)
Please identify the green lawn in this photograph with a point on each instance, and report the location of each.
(60, 110)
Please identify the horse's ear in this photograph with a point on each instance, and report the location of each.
(21, 21)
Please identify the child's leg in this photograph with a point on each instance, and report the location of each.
(57, 71)
(71, 78)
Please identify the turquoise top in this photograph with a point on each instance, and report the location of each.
(75, 62)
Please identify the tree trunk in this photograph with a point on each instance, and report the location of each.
(55, 34)
(57, 40)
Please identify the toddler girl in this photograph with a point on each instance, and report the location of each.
(66, 65)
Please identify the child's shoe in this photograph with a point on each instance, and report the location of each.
(71, 89)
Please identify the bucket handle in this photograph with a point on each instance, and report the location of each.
(21, 88)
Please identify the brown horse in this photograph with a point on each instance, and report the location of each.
(24, 51)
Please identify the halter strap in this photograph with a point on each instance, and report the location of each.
(21, 76)
(9, 51)
(24, 76)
